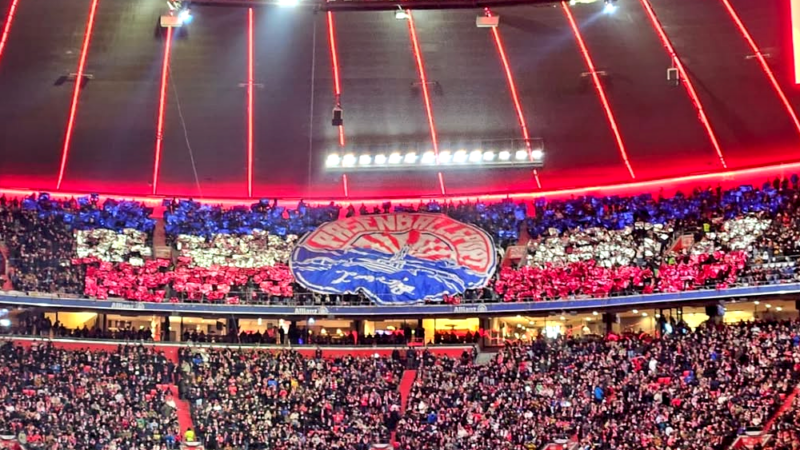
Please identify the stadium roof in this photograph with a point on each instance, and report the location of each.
(205, 142)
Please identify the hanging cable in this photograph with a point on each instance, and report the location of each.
(311, 108)
(185, 131)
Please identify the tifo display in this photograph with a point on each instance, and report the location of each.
(267, 253)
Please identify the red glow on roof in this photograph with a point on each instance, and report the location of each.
(250, 102)
(512, 86)
(795, 18)
(763, 62)
(630, 187)
(161, 101)
(337, 87)
(7, 28)
(685, 80)
(612, 121)
(73, 110)
(412, 31)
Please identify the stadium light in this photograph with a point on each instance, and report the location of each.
(419, 155)
(185, 17)
(475, 156)
(349, 160)
(333, 160)
(288, 2)
(461, 159)
(610, 7)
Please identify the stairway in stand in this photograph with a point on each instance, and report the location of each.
(160, 248)
(5, 268)
(183, 411)
(406, 383)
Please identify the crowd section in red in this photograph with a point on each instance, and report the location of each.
(578, 248)
(587, 279)
(154, 279)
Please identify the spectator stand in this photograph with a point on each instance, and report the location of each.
(80, 399)
(759, 438)
(171, 349)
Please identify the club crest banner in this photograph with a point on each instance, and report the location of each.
(394, 258)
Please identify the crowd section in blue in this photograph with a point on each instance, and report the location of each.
(502, 219)
(618, 212)
(573, 250)
(195, 218)
(88, 212)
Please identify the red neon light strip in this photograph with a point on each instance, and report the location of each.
(7, 27)
(769, 170)
(344, 185)
(612, 121)
(250, 102)
(334, 57)
(73, 110)
(763, 62)
(795, 14)
(161, 100)
(513, 88)
(687, 83)
(412, 30)
(337, 87)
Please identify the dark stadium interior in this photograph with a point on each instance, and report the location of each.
(113, 141)
(115, 124)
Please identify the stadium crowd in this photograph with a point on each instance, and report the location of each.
(581, 247)
(83, 399)
(691, 392)
(264, 400)
(40, 235)
(785, 431)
